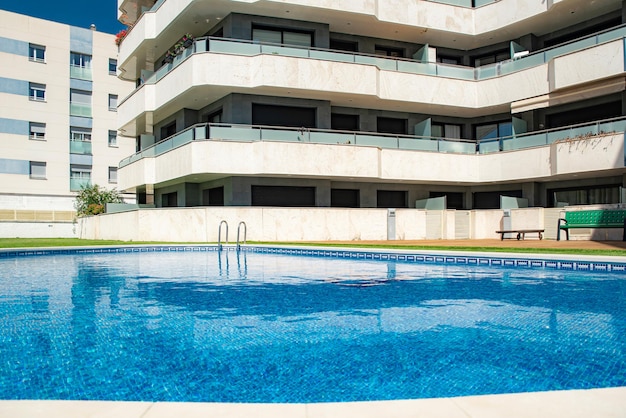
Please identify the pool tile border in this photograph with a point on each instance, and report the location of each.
(543, 261)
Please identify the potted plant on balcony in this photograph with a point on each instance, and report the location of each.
(169, 57)
(119, 37)
(187, 40)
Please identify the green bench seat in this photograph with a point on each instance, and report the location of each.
(597, 218)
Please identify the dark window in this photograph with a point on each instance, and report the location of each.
(169, 200)
(491, 58)
(282, 36)
(218, 33)
(341, 122)
(454, 200)
(344, 198)
(168, 130)
(344, 45)
(587, 114)
(448, 130)
(445, 59)
(583, 32)
(491, 200)
(213, 197)
(391, 199)
(391, 126)
(274, 115)
(389, 51)
(284, 196)
(215, 117)
(592, 195)
(493, 130)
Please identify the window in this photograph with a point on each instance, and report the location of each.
(391, 199)
(37, 92)
(37, 131)
(341, 122)
(112, 174)
(80, 103)
(215, 117)
(283, 196)
(37, 170)
(492, 58)
(36, 53)
(584, 195)
(448, 60)
(391, 125)
(80, 176)
(280, 36)
(113, 138)
(169, 200)
(275, 115)
(389, 51)
(80, 134)
(213, 197)
(112, 66)
(344, 45)
(440, 130)
(345, 198)
(493, 130)
(113, 102)
(168, 130)
(80, 66)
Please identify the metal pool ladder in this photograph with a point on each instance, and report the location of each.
(245, 232)
(219, 235)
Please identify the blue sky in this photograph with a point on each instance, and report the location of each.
(103, 13)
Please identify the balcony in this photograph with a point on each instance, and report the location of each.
(82, 73)
(80, 109)
(249, 133)
(78, 183)
(80, 147)
(249, 48)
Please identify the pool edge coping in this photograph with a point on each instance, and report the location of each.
(566, 262)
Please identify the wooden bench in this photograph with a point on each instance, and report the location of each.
(597, 218)
(521, 233)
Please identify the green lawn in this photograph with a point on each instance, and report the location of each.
(66, 242)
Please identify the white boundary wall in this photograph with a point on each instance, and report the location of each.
(319, 224)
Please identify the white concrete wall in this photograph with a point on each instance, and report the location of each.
(38, 230)
(301, 224)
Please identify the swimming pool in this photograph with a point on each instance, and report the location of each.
(202, 325)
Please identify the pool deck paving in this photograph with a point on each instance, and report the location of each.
(599, 403)
(591, 403)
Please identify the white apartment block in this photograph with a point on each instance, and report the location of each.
(374, 104)
(59, 92)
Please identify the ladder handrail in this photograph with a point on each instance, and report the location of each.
(245, 232)
(219, 234)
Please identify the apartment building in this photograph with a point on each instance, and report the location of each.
(59, 92)
(374, 104)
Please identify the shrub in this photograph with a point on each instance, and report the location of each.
(91, 200)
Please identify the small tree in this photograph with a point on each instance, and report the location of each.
(91, 200)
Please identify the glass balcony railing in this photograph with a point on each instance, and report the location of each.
(249, 133)
(80, 147)
(82, 73)
(80, 109)
(249, 48)
(77, 183)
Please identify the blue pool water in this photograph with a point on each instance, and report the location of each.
(247, 327)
